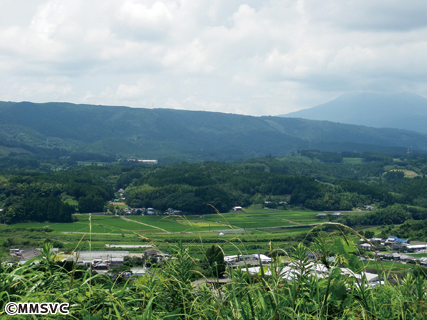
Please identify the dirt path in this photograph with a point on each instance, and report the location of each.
(148, 225)
(293, 222)
(79, 232)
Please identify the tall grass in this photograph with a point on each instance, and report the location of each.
(169, 292)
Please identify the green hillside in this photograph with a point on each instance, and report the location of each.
(183, 135)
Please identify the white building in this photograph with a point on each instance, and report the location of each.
(291, 272)
(138, 271)
(366, 246)
(263, 258)
(416, 247)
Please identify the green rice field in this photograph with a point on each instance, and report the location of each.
(100, 224)
(389, 266)
(250, 219)
(264, 218)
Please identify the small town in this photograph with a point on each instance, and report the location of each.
(133, 264)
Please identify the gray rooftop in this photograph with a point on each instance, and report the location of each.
(128, 246)
(104, 255)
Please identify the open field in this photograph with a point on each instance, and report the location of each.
(417, 255)
(250, 219)
(169, 223)
(119, 205)
(197, 232)
(283, 230)
(264, 218)
(100, 224)
(407, 173)
(71, 202)
(197, 242)
(389, 266)
(254, 220)
(352, 160)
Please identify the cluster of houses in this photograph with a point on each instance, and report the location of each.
(141, 161)
(104, 261)
(292, 272)
(100, 261)
(24, 254)
(150, 211)
(332, 215)
(139, 211)
(121, 197)
(143, 211)
(247, 259)
(339, 214)
(394, 243)
(171, 211)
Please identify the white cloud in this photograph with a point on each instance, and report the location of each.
(139, 21)
(36, 90)
(132, 92)
(251, 57)
(366, 15)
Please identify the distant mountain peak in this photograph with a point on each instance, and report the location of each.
(395, 110)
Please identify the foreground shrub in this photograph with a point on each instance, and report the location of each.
(169, 293)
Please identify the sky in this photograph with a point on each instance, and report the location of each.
(247, 57)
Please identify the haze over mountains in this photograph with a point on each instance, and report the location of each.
(401, 111)
(176, 135)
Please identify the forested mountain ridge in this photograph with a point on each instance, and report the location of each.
(179, 134)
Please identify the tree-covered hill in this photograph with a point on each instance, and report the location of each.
(303, 180)
(181, 135)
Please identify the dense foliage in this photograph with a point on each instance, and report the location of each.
(169, 293)
(215, 261)
(43, 197)
(190, 187)
(410, 229)
(310, 179)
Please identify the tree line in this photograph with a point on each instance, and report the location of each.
(190, 187)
